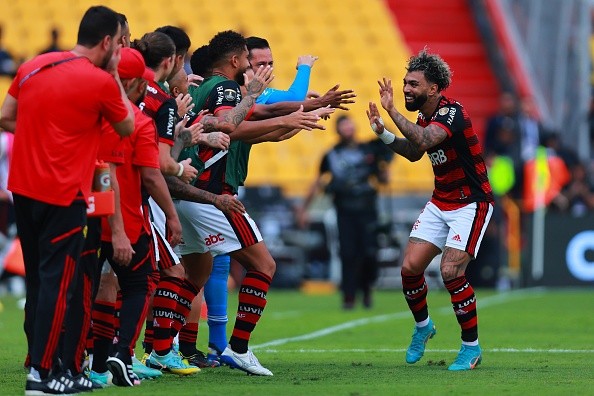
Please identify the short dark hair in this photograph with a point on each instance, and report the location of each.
(96, 23)
(200, 62)
(224, 44)
(122, 20)
(254, 42)
(180, 38)
(435, 69)
(154, 47)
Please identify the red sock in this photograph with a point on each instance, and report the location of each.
(103, 332)
(187, 338)
(414, 288)
(464, 304)
(186, 294)
(252, 300)
(164, 305)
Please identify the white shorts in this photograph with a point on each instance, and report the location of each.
(206, 228)
(165, 255)
(461, 229)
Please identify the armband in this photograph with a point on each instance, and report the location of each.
(181, 169)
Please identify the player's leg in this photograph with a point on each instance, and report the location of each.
(198, 268)
(216, 296)
(137, 285)
(428, 234)
(103, 316)
(467, 227)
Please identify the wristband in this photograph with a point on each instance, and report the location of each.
(181, 169)
(387, 137)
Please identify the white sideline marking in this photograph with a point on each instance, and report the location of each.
(482, 303)
(401, 350)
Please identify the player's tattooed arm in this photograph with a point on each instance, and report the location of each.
(187, 192)
(422, 138)
(231, 119)
(406, 148)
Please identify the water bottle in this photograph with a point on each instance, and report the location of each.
(102, 180)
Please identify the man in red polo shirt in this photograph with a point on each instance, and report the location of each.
(49, 184)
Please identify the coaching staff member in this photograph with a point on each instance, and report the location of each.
(54, 107)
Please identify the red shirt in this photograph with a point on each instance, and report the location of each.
(58, 126)
(138, 150)
(458, 165)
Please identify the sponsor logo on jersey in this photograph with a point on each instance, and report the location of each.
(171, 122)
(230, 95)
(451, 116)
(214, 239)
(152, 90)
(438, 157)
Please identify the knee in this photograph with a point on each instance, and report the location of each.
(412, 267)
(177, 271)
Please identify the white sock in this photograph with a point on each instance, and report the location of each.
(472, 343)
(423, 323)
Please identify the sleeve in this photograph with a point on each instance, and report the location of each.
(296, 92)
(112, 106)
(14, 88)
(451, 119)
(224, 95)
(111, 147)
(146, 150)
(165, 121)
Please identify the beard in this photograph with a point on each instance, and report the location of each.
(417, 103)
(240, 79)
(106, 59)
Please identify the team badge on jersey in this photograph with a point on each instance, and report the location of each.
(443, 111)
(230, 95)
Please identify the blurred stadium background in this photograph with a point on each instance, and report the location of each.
(532, 48)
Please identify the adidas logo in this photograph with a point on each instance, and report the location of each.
(457, 238)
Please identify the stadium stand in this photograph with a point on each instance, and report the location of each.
(356, 45)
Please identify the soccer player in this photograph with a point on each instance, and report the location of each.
(236, 234)
(455, 219)
(159, 52)
(138, 155)
(50, 186)
(215, 289)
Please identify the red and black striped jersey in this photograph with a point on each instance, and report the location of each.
(458, 164)
(161, 107)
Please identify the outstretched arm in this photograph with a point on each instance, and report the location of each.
(333, 98)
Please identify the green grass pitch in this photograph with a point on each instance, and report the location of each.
(534, 341)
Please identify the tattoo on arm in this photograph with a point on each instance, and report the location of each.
(187, 192)
(181, 141)
(423, 138)
(234, 117)
(406, 148)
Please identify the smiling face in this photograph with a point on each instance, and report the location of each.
(417, 90)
